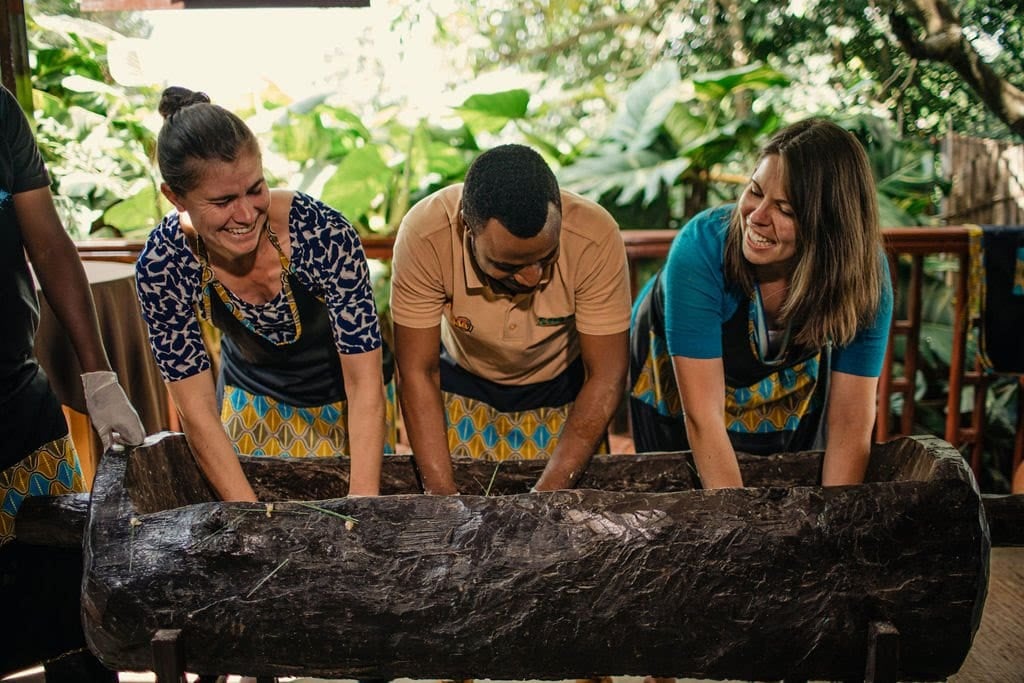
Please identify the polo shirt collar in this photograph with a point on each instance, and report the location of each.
(473, 280)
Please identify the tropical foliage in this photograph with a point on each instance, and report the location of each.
(90, 130)
(848, 47)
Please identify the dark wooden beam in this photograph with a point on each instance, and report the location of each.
(126, 5)
(14, 68)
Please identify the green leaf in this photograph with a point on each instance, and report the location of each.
(717, 145)
(82, 84)
(360, 178)
(938, 338)
(139, 212)
(645, 107)
(627, 173)
(716, 85)
(890, 214)
(307, 104)
(302, 138)
(491, 112)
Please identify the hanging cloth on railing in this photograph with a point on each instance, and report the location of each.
(997, 295)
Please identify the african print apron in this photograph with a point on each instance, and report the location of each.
(774, 403)
(491, 421)
(51, 470)
(285, 400)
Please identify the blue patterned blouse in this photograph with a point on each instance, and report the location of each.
(327, 258)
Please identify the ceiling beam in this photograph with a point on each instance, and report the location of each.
(14, 70)
(126, 5)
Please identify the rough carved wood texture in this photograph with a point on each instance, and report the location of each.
(1005, 515)
(780, 580)
(54, 521)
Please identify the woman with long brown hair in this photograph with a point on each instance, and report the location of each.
(766, 329)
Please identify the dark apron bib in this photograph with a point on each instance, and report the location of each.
(508, 398)
(303, 373)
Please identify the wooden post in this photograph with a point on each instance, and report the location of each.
(14, 68)
(883, 663)
(168, 656)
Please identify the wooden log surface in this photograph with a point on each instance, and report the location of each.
(55, 521)
(163, 474)
(769, 582)
(59, 521)
(1005, 516)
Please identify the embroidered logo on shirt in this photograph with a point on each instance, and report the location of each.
(5, 197)
(463, 323)
(552, 322)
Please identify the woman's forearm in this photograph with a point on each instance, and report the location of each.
(366, 415)
(713, 453)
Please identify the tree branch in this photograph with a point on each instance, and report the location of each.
(607, 24)
(943, 41)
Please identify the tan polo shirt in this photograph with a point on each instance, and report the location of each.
(518, 339)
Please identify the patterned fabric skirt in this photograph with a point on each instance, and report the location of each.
(478, 430)
(261, 425)
(51, 470)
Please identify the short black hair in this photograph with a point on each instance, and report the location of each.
(513, 184)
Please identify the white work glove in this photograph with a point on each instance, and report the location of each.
(113, 417)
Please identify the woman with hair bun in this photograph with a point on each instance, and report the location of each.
(285, 280)
(766, 330)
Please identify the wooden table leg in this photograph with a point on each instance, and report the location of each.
(883, 665)
(168, 656)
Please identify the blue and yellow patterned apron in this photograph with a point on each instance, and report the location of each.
(772, 404)
(491, 421)
(51, 470)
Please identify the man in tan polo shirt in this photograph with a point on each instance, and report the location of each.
(511, 306)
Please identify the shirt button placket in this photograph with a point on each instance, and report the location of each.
(514, 323)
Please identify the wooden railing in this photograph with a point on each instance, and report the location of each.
(640, 244)
(918, 243)
(913, 242)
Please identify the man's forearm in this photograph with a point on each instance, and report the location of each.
(66, 288)
(584, 429)
(423, 415)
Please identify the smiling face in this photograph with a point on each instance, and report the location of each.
(769, 222)
(511, 264)
(228, 207)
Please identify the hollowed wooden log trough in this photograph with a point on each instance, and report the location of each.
(635, 572)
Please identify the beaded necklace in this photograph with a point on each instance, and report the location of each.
(208, 280)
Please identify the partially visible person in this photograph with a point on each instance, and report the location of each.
(766, 329)
(38, 457)
(285, 280)
(511, 304)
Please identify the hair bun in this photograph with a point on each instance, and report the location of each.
(176, 98)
